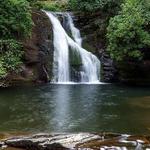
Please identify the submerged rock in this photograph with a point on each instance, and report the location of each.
(80, 141)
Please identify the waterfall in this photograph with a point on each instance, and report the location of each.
(63, 44)
(75, 32)
(61, 51)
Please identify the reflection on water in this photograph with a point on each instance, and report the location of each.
(74, 108)
(143, 102)
(61, 118)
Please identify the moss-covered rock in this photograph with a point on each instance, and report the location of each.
(38, 57)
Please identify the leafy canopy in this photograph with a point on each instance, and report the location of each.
(15, 18)
(15, 23)
(10, 56)
(128, 32)
(92, 5)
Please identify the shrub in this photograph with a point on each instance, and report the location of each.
(11, 53)
(127, 32)
(15, 23)
(15, 19)
(55, 5)
(50, 5)
(92, 5)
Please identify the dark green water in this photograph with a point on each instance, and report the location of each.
(74, 108)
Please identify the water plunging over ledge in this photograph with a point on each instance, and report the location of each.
(89, 70)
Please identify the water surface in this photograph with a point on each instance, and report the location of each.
(75, 108)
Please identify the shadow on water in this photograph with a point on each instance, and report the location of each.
(75, 108)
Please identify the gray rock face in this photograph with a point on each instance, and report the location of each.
(38, 56)
(109, 72)
(39, 48)
(78, 141)
(93, 29)
(51, 142)
(1, 144)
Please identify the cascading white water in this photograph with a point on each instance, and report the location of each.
(91, 65)
(75, 32)
(62, 44)
(61, 51)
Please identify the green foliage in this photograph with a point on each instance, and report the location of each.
(15, 19)
(3, 71)
(128, 32)
(92, 5)
(36, 4)
(11, 52)
(50, 5)
(32, 1)
(53, 5)
(15, 23)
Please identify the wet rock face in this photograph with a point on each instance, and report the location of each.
(38, 57)
(93, 30)
(134, 72)
(78, 141)
(109, 72)
(93, 27)
(39, 48)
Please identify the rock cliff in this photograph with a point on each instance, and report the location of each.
(38, 57)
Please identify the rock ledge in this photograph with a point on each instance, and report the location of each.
(77, 141)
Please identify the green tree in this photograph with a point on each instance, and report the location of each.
(15, 24)
(128, 32)
(15, 19)
(11, 53)
(92, 5)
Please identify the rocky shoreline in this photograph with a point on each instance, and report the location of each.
(76, 141)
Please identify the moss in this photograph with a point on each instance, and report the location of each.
(51, 5)
(75, 59)
(89, 47)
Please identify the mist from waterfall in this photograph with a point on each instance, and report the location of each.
(63, 44)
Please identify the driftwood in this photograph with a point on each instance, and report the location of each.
(81, 141)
